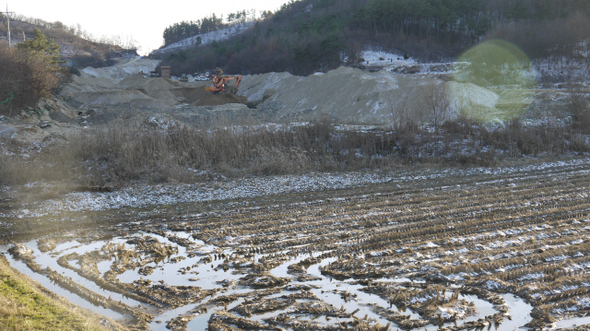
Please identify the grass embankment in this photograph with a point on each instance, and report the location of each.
(26, 306)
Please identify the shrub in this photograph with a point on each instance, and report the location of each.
(158, 150)
(27, 76)
(580, 112)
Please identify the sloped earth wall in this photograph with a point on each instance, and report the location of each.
(353, 96)
(343, 96)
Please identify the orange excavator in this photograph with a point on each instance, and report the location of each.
(220, 82)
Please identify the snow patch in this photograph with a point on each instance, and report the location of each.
(205, 38)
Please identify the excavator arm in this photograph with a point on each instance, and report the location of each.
(239, 80)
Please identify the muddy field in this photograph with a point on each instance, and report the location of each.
(483, 249)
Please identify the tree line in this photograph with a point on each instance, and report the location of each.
(186, 29)
(317, 35)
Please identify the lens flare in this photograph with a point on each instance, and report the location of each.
(493, 81)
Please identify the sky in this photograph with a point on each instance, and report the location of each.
(142, 21)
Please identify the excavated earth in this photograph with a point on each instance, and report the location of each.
(101, 96)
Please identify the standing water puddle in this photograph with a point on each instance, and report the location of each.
(571, 322)
(192, 263)
(73, 298)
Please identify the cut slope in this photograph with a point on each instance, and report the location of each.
(345, 95)
(348, 95)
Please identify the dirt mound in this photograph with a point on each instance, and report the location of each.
(133, 81)
(85, 82)
(158, 89)
(140, 91)
(348, 95)
(200, 97)
(345, 95)
(111, 97)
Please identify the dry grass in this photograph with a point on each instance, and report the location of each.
(178, 153)
(25, 306)
(159, 152)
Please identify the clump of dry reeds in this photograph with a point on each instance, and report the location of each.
(180, 153)
(167, 151)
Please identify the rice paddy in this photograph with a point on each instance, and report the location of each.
(498, 250)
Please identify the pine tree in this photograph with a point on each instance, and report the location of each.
(41, 46)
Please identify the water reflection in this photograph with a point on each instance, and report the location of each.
(189, 263)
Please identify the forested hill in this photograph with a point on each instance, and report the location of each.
(316, 35)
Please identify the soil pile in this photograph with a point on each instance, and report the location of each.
(344, 96)
(349, 95)
(123, 68)
(200, 97)
(126, 85)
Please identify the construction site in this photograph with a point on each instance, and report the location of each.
(344, 96)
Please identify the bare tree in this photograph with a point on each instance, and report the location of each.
(436, 105)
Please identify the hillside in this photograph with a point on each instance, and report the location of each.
(75, 44)
(306, 36)
(203, 39)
